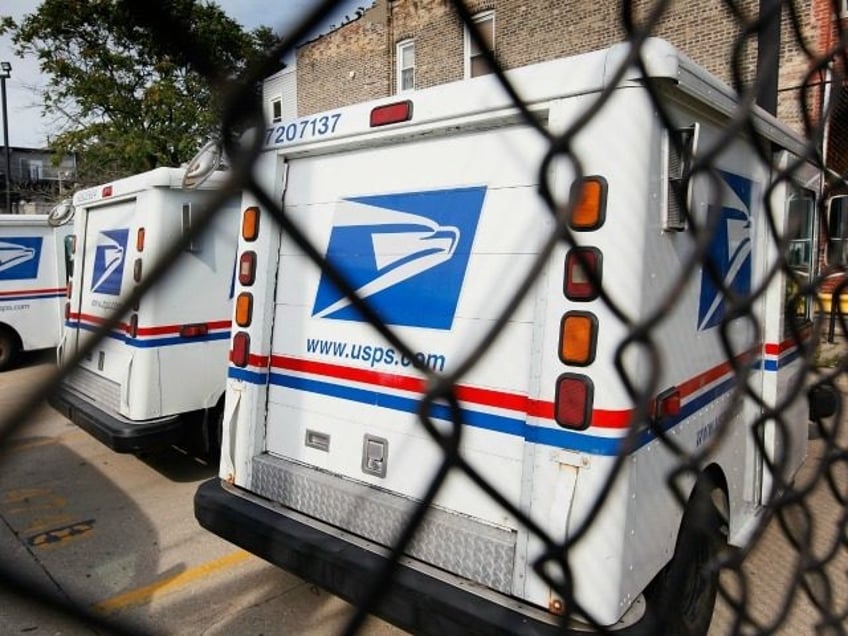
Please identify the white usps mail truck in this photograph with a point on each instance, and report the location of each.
(428, 205)
(32, 284)
(158, 378)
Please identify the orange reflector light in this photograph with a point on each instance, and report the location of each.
(241, 349)
(244, 309)
(137, 270)
(194, 330)
(250, 223)
(579, 262)
(139, 240)
(589, 198)
(573, 401)
(391, 113)
(132, 330)
(578, 338)
(67, 311)
(107, 191)
(247, 268)
(70, 288)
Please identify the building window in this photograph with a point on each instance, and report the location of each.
(475, 63)
(35, 169)
(405, 65)
(277, 109)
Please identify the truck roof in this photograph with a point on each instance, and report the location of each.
(156, 178)
(23, 219)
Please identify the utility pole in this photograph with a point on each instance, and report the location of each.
(5, 73)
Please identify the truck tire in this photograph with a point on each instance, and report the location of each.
(9, 348)
(681, 598)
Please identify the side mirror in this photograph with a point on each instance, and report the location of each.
(837, 230)
(69, 256)
(203, 164)
(60, 214)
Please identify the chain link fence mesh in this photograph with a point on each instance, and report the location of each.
(814, 571)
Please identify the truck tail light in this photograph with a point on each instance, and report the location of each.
(241, 349)
(250, 223)
(69, 289)
(244, 309)
(132, 330)
(391, 113)
(139, 240)
(194, 330)
(578, 338)
(67, 311)
(582, 264)
(106, 191)
(247, 268)
(589, 197)
(573, 401)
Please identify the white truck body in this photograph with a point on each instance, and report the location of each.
(435, 221)
(32, 284)
(159, 375)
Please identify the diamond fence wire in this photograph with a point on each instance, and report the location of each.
(815, 545)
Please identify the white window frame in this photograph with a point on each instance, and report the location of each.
(484, 16)
(402, 46)
(277, 109)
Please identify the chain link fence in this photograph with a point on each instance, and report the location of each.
(815, 542)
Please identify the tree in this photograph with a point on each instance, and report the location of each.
(125, 101)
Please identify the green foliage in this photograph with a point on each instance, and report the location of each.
(123, 101)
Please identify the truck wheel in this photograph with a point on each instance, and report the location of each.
(681, 598)
(9, 349)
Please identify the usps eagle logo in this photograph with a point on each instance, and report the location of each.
(19, 257)
(109, 254)
(405, 254)
(729, 250)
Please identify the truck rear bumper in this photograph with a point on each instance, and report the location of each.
(415, 601)
(119, 434)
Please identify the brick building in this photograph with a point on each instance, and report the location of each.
(394, 45)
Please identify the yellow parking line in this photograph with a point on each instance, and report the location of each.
(145, 594)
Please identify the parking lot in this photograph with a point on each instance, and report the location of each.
(115, 535)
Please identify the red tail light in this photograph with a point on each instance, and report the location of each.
(581, 265)
(573, 401)
(70, 289)
(247, 268)
(241, 349)
(133, 326)
(67, 311)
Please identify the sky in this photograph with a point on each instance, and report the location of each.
(28, 129)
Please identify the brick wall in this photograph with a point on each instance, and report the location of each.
(356, 62)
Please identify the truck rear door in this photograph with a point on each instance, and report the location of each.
(105, 261)
(429, 250)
